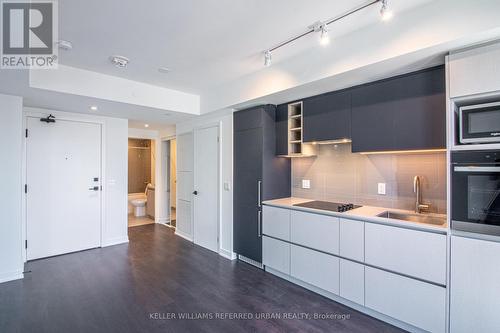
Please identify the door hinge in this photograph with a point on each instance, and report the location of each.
(218, 139)
(26, 244)
(26, 132)
(25, 188)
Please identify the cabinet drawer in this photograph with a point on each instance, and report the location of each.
(316, 268)
(276, 222)
(352, 281)
(415, 253)
(414, 302)
(276, 254)
(316, 231)
(352, 239)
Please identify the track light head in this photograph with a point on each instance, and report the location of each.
(267, 58)
(385, 12)
(324, 39)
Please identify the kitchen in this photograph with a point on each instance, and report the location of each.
(336, 166)
(382, 196)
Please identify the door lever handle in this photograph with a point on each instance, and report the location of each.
(94, 188)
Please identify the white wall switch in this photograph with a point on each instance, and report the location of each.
(227, 186)
(381, 188)
(306, 183)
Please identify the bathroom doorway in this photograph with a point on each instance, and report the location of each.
(141, 181)
(170, 179)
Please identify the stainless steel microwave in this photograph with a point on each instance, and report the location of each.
(479, 123)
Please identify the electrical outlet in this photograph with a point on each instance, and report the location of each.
(306, 183)
(381, 188)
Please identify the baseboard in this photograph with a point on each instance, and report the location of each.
(115, 241)
(227, 254)
(11, 276)
(181, 234)
(163, 220)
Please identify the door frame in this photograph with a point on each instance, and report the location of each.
(217, 124)
(150, 135)
(163, 171)
(66, 117)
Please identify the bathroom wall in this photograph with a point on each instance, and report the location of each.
(139, 165)
(336, 174)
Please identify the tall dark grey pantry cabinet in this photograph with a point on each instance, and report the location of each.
(258, 175)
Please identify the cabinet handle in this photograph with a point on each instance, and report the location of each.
(259, 185)
(259, 222)
(476, 169)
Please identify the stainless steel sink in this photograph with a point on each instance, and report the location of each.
(419, 218)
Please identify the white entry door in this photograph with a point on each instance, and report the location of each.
(206, 189)
(63, 176)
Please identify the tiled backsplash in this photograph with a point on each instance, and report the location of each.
(336, 174)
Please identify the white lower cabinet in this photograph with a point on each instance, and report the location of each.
(475, 285)
(411, 252)
(276, 254)
(316, 231)
(315, 268)
(352, 281)
(415, 302)
(389, 268)
(352, 239)
(276, 222)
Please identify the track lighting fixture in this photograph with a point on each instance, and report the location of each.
(385, 12)
(267, 58)
(322, 27)
(324, 39)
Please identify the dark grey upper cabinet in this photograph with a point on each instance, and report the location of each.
(407, 112)
(282, 129)
(327, 117)
(258, 175)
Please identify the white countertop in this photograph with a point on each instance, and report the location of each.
(365, 213)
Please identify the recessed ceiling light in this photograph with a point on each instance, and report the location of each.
(65, 45)
(119, 61)
(146, 125)
(164, 70)
(93, 108)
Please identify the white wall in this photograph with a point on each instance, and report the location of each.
(225, 120)
(115, 175)
(11, 245)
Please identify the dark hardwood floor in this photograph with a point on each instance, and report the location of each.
(136, 286)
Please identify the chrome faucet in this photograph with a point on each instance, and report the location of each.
(419, 206)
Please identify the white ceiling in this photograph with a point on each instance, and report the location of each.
(214, 48)
(205, 43)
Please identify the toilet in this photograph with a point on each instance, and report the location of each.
(138, 201)
(139, 206)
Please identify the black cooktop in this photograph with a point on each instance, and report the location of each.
(326, 205)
